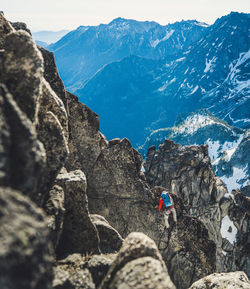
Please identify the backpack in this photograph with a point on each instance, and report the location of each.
(167, 199)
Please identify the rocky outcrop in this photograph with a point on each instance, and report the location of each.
(5, 29)
(25, 252)
(52, 129)
(99, 265)
(79, 233)
(69, 273)
(233, 280)
(110, 239)
(22, 155)
(138, 265)
(236, 166)
(117, 191)
(237, 255)
(187, 172)
(22, 70)
(20, 26)
(52, 77)
(54, 207)
(85, 140)
(33, 149)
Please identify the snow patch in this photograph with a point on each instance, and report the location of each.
(213, 149)
(226, 223)
(209, 64)
(234, 68)
(193, 123)
(166, 84)
(166, 37)
(195, 89)
(180, 59)
(202, 24)
(230, 147)
(232, 182)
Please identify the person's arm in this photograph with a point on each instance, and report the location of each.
(160, 204)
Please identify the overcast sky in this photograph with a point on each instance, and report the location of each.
(69, 14)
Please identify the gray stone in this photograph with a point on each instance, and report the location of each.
(22, 70)
(117, 191)
(5, 28)
(99, 265)
(71, 273)
(79, 233)
(186, 171)
(130, 257)
(20, 26)
(239, 214)
(49, 101)
(23, 156)
(25, 251)
(52, 76)
(142, 273)
(54, 207)
(232, 280)
(110, 239)
(226, 245)
(72, 278)
(85, 140)
(50, 133)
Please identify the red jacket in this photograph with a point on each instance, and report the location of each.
(160, 204)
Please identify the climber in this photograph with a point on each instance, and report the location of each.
(167, 203)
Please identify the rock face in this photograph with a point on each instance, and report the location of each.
(52, 77)
(117, 191)
(22, 155)
(52, 132)
(25, 253)
(187, 172)
(23, 83)
(69, 274)
(233, 280)
(79, 233)
(54, 207)
(30, 101)
(110, 239)
(99, 265)
(85, 140)
(5, 28)
(138, 265)
(237, 255)
(238, 163)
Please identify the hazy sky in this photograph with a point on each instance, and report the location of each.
(69, 14)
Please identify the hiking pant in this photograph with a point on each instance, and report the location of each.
(166, 216)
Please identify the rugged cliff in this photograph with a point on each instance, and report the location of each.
(71, 200)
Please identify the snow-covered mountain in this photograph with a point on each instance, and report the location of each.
(228, 146)
(136, 95)
(82, 52)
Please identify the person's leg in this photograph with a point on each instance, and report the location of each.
(174, 215)
(166, 220)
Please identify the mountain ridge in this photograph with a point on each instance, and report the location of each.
(89, 48)
(213, 74)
